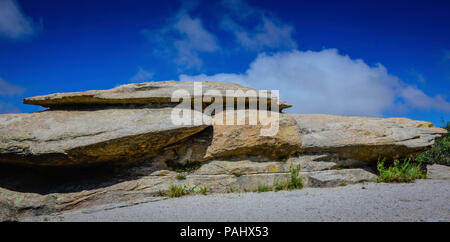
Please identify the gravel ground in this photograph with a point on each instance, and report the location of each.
(423, 200)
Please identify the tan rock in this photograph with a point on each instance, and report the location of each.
(59, 138)
(365, 139)
(138, 93)
(235, 140)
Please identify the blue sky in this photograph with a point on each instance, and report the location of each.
(370, 58)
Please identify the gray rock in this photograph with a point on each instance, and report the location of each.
(332, 178)
(438, 172)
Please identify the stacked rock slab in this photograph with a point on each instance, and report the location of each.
(129, 131)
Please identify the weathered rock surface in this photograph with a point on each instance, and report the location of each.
(139, 93)
(332, 178)
(128, 132)
(247, 139)
(365, 139)
(58, 138)
(438, 172)
(25, 194)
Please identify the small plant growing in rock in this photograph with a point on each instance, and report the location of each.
(294, 180)
(232, 190)
(405, 171)
(188, 167)
(284, 158)
(237, 174)
(263, 188)
(178, 191)
(160, 193)
(203, 190)
(180, 177)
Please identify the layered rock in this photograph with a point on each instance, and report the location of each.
(128, 132)
(30, 193)
(61, 138)
(145, 93)
(365, 139)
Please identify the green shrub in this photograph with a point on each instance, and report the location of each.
(439, 152)
(405, 171)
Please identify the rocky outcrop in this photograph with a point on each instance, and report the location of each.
(142, 94)
(139, 153)
(365, 139)
(29, 193)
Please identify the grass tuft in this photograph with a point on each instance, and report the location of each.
(177, 191)
(180, 177)
(202, 190)
(263, 188)
(294, 180)
(405, 171)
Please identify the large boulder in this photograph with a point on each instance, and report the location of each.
(60, 138)
(365, 139)
(249, 139)
(143, 93)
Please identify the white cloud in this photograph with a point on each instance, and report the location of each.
(416, 98)
(186, 35)
(327, 82)
(268, 32)
(142, 76)
(13, 23)
(8, 89)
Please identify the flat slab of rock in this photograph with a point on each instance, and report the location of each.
(138, 93)
(333, 178)
(438, 172)
(59, 138)
(365, 139)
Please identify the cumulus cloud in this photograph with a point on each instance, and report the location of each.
(186, 35)
(416, 98)
(8, 89)
(328, 82)
(268, 32)
(142, 76)
(13, 23)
